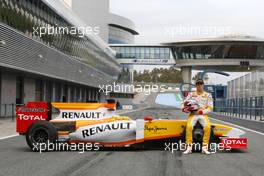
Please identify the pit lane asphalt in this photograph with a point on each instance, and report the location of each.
(17, 160)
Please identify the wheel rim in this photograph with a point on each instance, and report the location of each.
(40, 136)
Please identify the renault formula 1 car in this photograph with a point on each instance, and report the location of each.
(97, 123)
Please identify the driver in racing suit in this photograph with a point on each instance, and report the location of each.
(205, 106)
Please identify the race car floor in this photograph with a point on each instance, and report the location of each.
(18, 160)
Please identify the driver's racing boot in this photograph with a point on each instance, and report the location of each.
(205, 150)
(188, 150)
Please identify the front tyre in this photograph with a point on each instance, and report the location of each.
(40, 134)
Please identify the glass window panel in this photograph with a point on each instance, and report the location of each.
(133, 50)
(162, 50)
(122, 50)
(137, 50)
(162, 55)
(167, 50)
(127, 49)
(147, 56)
(142, 50)
(152, 56)
(147, 50)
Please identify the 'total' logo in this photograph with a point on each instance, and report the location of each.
(235, 143)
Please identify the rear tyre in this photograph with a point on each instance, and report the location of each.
(40, 134)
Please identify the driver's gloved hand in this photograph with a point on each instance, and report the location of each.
(186, 110)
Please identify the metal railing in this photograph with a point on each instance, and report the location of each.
(251, 108)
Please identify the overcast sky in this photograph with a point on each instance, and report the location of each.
(155, 19)
(171, 20)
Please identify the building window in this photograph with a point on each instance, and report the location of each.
(120, 36)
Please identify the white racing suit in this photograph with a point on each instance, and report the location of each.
(205, 103)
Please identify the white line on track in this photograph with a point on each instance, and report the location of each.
(7, 137)
(243, 128)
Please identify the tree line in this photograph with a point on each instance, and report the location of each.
(159, 75)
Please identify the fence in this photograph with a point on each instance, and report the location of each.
(249, 108)
(7, 111)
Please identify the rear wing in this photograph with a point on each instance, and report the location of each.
(31, 112)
